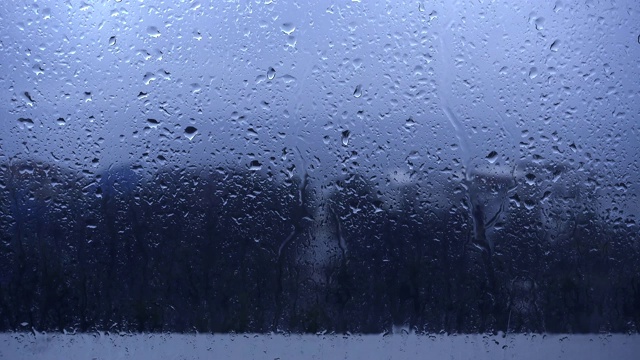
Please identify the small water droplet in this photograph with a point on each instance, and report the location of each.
(420, 7)
(533, 73)
(358, 91)
(112, 41)
(555, 45)
(410, 122)
(345, 137)
(271, 73)
(190, 132)
(288, 28)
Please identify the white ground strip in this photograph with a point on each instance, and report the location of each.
(16, 346)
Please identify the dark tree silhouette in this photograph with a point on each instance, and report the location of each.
(219, 249)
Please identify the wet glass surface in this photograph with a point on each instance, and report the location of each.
(357, 167)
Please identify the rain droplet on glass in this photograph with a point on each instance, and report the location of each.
(345, 137)
(358, 91)
(255, 165)
(26, 122)
(153, 123)
(492, 157)
(288, 28)
(153, 31)
(190, 132)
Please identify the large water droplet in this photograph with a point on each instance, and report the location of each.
(533, 73)
(255, 165)
(357, 63)
(555, 45)
(358, 91)
(28, 98)
(112, 41)
(26, 122)
(345, 137)
(271, 73)
(153, 123)
(530, 178)
(492, 157)
(148, 78)
(288, 28)
(291, 41)
(190, 132)
(410, 122)
(37, 69)
(153, 31)
(288, 79)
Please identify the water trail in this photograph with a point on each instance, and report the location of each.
(341, 241)
(473, 197)
(286, 241)
(461, 136)
(305, 179)
(302, 213)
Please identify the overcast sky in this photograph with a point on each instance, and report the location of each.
(366, 86)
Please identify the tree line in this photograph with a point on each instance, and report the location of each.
(218, 249)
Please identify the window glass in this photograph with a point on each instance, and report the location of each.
(311, 167)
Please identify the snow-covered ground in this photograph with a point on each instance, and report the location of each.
(16, 346)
